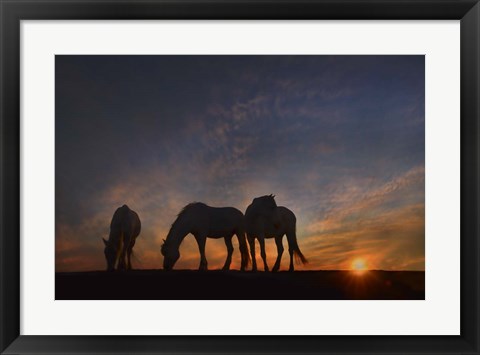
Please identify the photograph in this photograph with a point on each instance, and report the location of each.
(240, 177)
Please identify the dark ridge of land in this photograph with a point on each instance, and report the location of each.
(237, 285)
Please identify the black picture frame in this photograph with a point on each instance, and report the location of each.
(12, 12)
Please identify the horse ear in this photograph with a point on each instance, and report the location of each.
(105, 242)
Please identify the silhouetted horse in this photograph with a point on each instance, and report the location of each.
(205, 222)
(264, 219)
(124, 229)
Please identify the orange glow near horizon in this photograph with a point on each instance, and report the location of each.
(326, 241)
(359, 266)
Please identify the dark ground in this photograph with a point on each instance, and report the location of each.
(236, 285)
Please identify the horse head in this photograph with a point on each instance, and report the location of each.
(266, 208)
(170, 255)
(266, 203)
(110, 254)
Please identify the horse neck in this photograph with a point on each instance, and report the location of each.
(177, 234)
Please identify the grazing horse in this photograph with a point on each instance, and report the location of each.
(205, 222)
(264, 219)
(124, 229)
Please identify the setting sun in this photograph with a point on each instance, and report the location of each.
(359, 265)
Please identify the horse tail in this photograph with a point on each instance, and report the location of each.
(299, 257)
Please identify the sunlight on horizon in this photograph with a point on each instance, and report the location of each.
(359, 266)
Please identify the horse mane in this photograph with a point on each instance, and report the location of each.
(186, 208)
(180, 214)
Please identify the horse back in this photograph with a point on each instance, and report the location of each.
(258, 224)
(125, 222)
(223, 220)
(230, 215)
(286, 214)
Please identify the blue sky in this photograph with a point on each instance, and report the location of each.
(340, 140)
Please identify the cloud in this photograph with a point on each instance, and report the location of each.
(382, 225)
(357, 198)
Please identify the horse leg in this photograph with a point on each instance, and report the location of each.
(121, 257)
(291, 268)
(291, 250)
(121, 260)
(242, 242)
(228, 243)
(122, 245)
(251, 241)
(129, 263)
(261, 241)
(129, 254)
(201, 240)
(279, 243)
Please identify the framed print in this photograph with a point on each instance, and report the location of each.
(239, 177)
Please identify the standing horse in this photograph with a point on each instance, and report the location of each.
(205, 222)
(124, 229)
(264, 219)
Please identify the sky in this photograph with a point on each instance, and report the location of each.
(340, 141)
